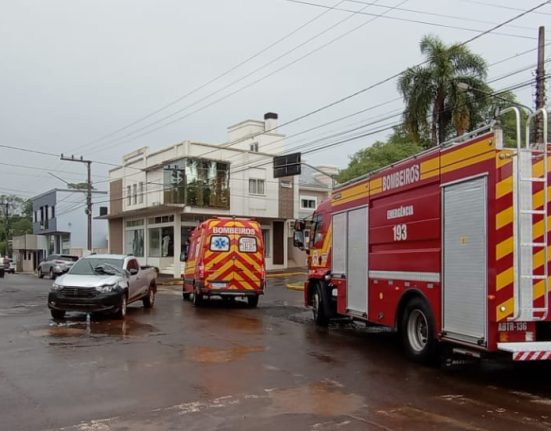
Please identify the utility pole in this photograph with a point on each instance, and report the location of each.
(540, 84)
(6, 206)
(88, 194)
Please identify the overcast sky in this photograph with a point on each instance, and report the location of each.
(75, 71)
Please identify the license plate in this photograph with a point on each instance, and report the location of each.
(218, 285)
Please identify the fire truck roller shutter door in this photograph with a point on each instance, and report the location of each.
(464, 245)
(357, 261)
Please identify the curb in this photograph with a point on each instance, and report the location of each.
(295, 286)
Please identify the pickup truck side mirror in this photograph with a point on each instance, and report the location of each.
(132, 271)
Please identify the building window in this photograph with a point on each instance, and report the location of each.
(141, 192)
(254, 147)
(135, 241)
(160, 219)
(129, 195)
(256, 186)
(134, 223)
(197, 183)
(52, 212)
(135, 193)
(161, 242)
(308, 202)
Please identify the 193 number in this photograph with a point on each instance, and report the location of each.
(400, 232)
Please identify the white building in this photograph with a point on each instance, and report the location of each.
(158, 197)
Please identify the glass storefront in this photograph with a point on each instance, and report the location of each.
(198, 183)
(161, 241)
(135, 242)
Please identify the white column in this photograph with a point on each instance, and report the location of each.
(177, 244)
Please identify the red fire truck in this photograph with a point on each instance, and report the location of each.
(448, 247)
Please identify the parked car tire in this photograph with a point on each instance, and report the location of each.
(40, 273)
(57, 314)
(252, 301)
(185, 296)
(121, 311)
(52, 274)
(149, 299)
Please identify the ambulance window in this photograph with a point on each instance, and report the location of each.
(219, 243)
(247, 244)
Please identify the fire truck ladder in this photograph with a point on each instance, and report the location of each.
(526, 245)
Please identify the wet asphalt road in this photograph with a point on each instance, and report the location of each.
(232, 368)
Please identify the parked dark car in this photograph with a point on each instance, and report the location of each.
(56, 264)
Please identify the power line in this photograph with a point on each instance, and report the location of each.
(415, 21)
(499, 6)
(440, 15)
(136, 134)
(324, 107)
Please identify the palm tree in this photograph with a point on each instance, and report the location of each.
(431, 91)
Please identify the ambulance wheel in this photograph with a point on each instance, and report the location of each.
(318, 308)
(418, 332)
(197, 299)
(252, 301)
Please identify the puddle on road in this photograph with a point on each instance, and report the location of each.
(322, 399)
(125, 328)
(244, 323)
(209, 355)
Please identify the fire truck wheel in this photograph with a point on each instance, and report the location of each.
(318, 308)
(418, 331)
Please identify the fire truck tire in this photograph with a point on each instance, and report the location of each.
(418, 331)
(319, 308)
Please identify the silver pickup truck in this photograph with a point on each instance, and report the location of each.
(106, 282)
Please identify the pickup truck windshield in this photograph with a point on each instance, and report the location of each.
(86, 266)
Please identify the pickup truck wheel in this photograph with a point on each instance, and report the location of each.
(185, 296)
(252, 301)
(121, 311)
(57, 314)
(149, 299)
(40, 273)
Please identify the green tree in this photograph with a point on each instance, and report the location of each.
(431, 91)
(19, 219)
(380, 154)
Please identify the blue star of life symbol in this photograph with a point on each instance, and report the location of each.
(221, 243)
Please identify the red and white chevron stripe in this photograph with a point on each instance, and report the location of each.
(531, 356)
